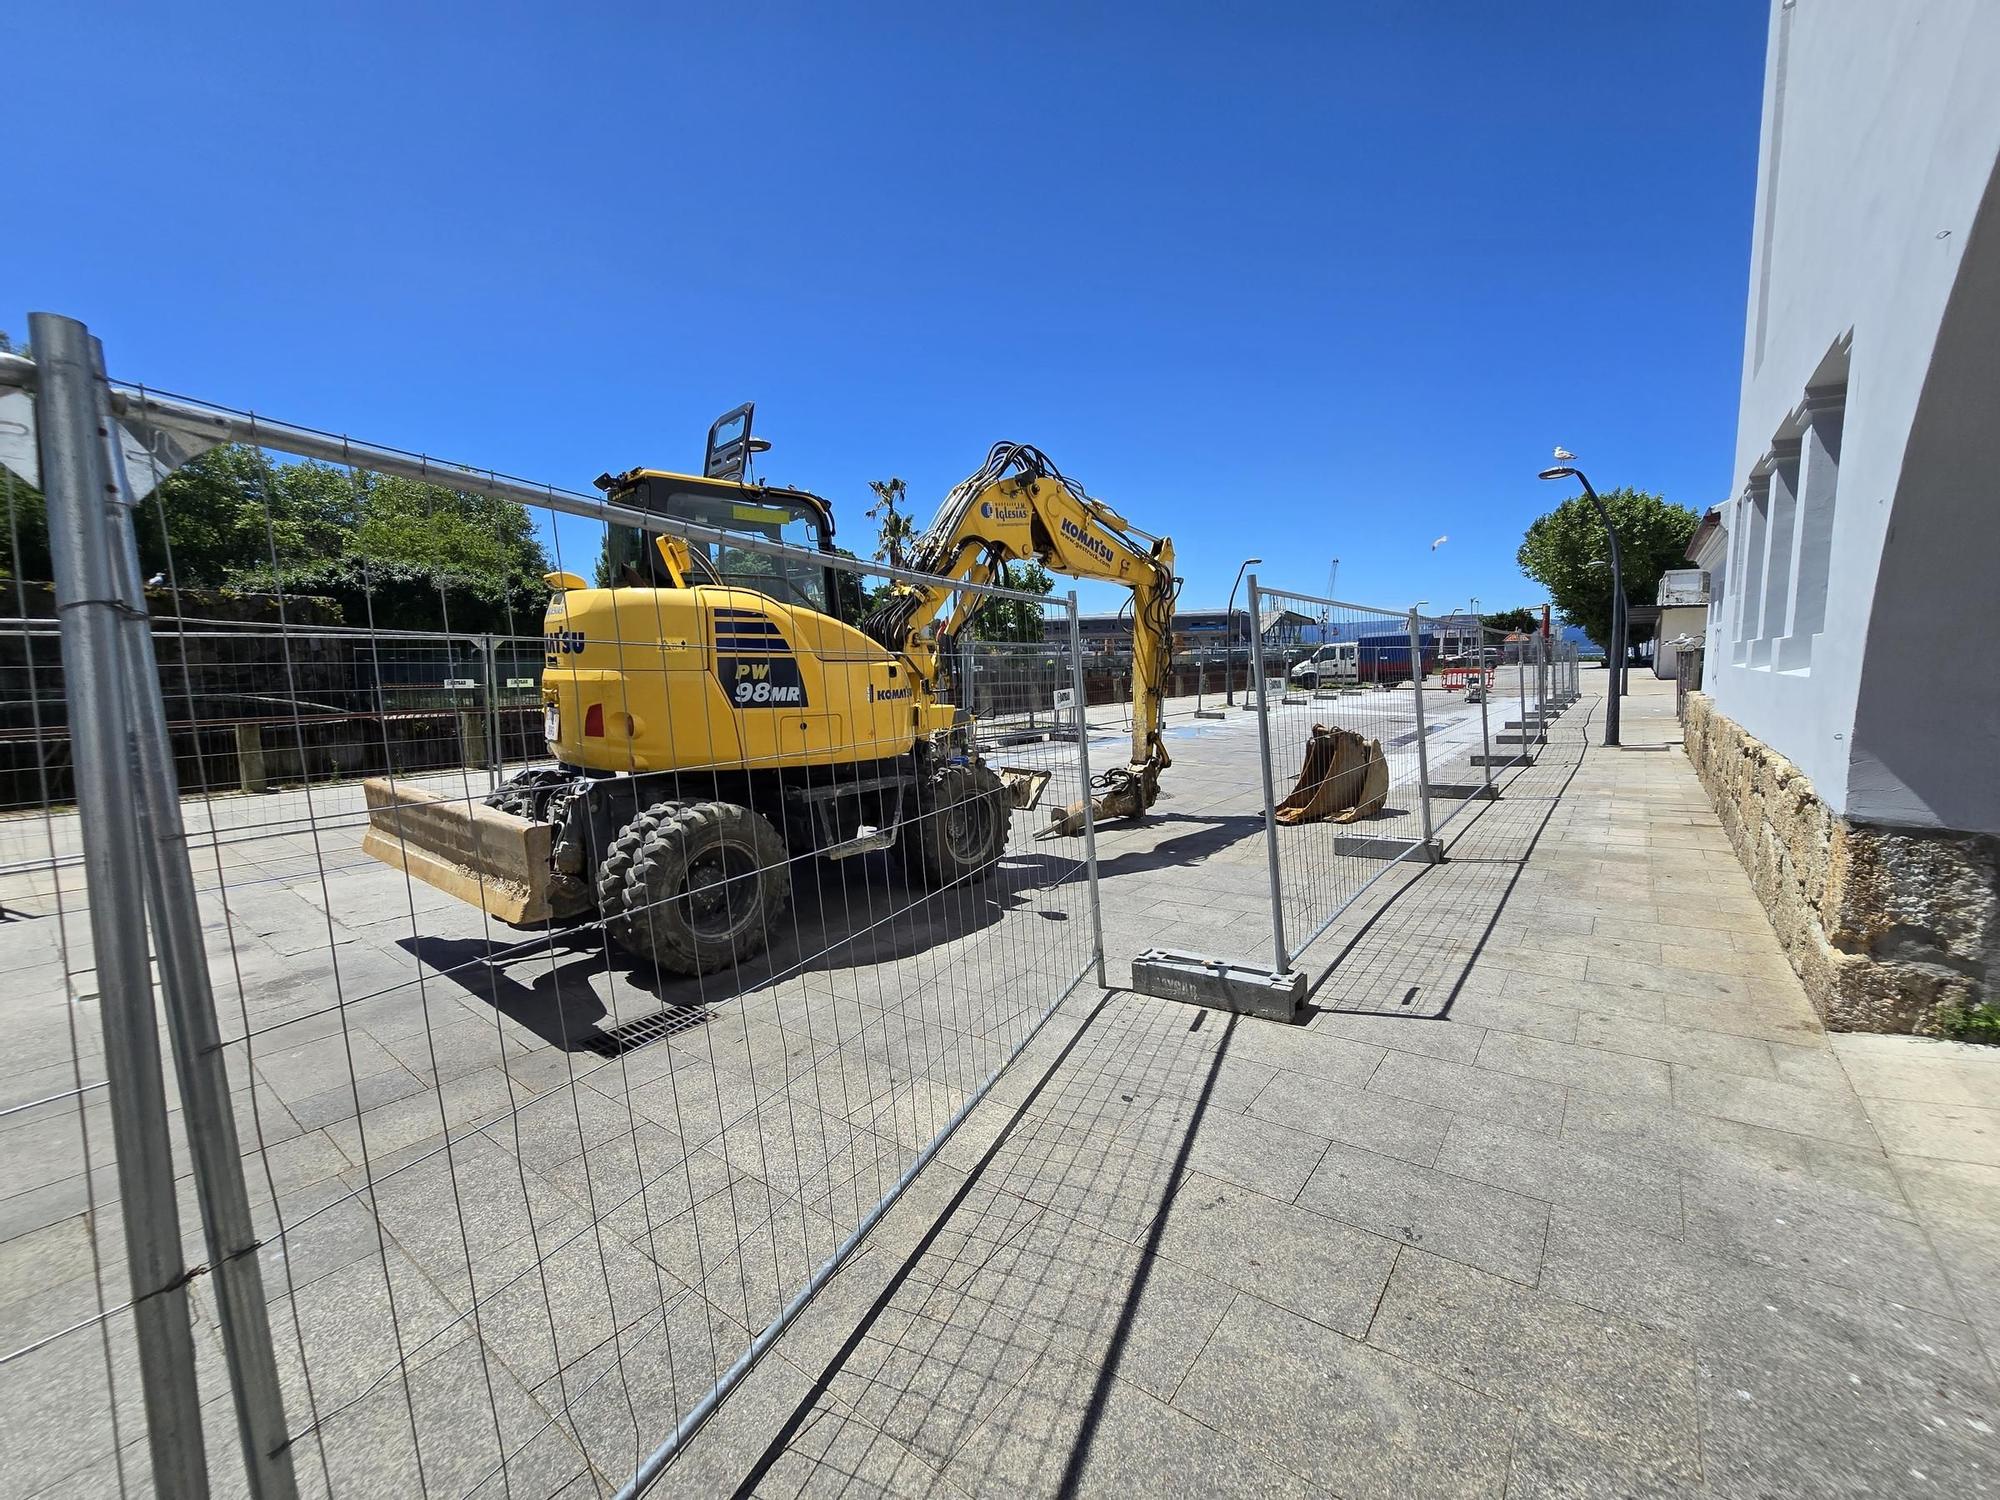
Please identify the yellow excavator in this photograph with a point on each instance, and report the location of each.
(719, 710)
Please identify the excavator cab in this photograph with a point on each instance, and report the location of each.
(633, 557)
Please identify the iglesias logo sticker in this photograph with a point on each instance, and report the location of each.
(1005, 511)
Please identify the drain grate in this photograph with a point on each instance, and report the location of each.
(630, 1036)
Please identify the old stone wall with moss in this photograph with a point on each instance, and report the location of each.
(1885, 926)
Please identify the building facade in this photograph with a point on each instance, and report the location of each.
(1845, 727)
(1198, 629)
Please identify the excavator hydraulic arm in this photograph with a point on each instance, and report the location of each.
(1018, 507)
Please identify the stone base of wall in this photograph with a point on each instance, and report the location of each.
(1883, 925)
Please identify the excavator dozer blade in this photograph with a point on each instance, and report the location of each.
(1344, 777)
(485, 857)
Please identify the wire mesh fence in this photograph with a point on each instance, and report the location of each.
(560, 981)
(1378, 728)
(582, 989)
(1345, 741)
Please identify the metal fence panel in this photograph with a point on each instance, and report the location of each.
(525, 1203)
(1343, 716)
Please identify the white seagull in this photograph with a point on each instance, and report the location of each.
(1439, 542)
(1563, 455)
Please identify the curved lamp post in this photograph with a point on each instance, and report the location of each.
(1229, 617)
(1615, 648)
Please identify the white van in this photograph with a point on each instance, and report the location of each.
(1329, 666)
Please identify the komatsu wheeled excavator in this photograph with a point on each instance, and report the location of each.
(720, 709)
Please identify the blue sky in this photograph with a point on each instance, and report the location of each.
(1304, 281)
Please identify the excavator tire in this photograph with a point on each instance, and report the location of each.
(518, 800)
(693, 887)
(963, 818)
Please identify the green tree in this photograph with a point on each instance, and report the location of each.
(1523, 618)
(894, 530)
(402, 520)
(236, 518)
(1562, 549)
(1014, 619)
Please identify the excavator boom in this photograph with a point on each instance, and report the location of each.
(1019, 507)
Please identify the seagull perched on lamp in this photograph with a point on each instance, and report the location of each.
(1563, 455)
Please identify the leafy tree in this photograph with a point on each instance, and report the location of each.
(894, 530)
(1523, 618)
(1014, 619)
(853, 594)
(236, 518)
(403, 520)
(395, 595)
(1561, 547)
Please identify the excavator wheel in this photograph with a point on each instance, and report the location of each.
(963, 818)
(520, 801)
(694, 886)
(528, 795)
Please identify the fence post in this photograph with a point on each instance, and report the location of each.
(76, 489)
(496, 753)
(1542, 686)
(229, 1230)
(1423, 751)
(1284, 960)
(1486, 681)
(250, 757)
(1521, 684)
(1083, 771)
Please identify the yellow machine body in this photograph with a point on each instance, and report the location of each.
(726, 699)
(688, 679)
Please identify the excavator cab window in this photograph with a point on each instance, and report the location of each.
(632, 560)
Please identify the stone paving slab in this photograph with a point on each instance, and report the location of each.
(1557, 1189)
(1598, 1210)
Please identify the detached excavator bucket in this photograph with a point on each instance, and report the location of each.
(1128, 792)
(1024, 785)
(485, 857)
(1345, 777)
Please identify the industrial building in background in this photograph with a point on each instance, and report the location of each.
(1845, 728)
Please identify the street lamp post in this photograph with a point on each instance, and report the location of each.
(1615, 648)
(1229, 637)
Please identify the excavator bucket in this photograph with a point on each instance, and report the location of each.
(1128, 792)
(483, 856)
(1344, 777)
(1024, 785)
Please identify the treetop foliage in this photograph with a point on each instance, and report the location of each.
(234, 518)
(1523, 618)
(1561, 548)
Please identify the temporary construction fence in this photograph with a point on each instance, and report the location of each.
(1376, 731)
(428, 1204)
(255, 706)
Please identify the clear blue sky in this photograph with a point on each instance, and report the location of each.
(1294, 280)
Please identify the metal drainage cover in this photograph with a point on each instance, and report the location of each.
(629, 1036)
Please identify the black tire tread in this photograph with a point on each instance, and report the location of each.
(661, 836)
(925, 855)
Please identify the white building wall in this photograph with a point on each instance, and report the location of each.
(1880, 136)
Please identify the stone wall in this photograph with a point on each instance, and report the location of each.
(1884, 925)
